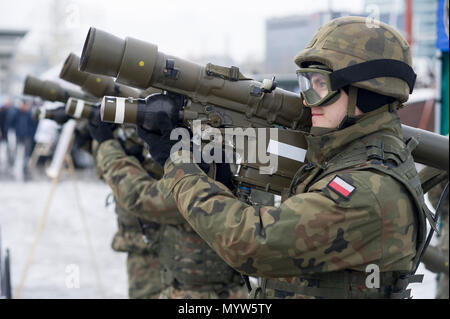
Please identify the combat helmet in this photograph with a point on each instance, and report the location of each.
(368, 55)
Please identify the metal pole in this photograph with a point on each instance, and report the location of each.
(408, 21)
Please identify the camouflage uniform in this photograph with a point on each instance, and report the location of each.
(191, 267)
(320, 240)
(316, 231)
(143, 264)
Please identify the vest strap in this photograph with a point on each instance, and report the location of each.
(341, 285)
(328, 293)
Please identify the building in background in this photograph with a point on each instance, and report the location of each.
(286, 36)
(9, 39)
(442, 44)
(421, 23)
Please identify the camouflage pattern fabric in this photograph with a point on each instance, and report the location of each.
(185, 257)
(201, 292)
(133, 188)
(434, 195)
(144, 275)
(315, 230)
(129, 237)
(143, 265)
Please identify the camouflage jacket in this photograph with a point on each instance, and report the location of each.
(182, 252)
(129, 237)
(133, 187)
(319, 229)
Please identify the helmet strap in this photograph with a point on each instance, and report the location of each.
(350, 118)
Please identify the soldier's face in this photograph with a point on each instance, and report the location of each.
(331, 116)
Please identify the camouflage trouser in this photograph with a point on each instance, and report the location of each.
(236, 292)
(144, 276)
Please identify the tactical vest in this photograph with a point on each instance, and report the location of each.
(192, 262)
(135, 235)
(371, 152)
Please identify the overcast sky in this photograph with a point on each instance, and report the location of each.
(183, 28)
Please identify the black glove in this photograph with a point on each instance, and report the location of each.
(82, 137)
(132, 148)
(224, 175)
(223, 171)
(59, 115)
(100, 131)
(159, 143)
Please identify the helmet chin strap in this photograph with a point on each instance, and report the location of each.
(350, 118)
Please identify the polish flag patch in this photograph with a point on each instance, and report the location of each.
(341, 187)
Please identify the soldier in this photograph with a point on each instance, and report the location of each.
(139, 238)
(355, 206)
(191, 268)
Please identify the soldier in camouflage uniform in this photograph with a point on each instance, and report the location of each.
(143, 265)
(191, 268)
(139, 238)
(356, 202)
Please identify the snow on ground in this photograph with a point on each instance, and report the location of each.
(62, 265)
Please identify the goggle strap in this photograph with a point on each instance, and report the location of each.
(373, 69)
(352, 97)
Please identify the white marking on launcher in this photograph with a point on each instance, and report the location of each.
(285, 150)
(120, 110)
(68, 103)
(78, 109)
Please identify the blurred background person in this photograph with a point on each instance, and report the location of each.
(8, 114)
(25, 128)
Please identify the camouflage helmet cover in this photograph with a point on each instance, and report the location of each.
(347, 41)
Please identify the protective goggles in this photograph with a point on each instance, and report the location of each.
(315, 86)
(321, 86)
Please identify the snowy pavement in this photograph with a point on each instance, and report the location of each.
(62, 266)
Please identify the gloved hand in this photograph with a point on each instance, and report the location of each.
(223, 172)
(59, 115)
(82, 137)
(132, 147)
(100, 131)
(159, 143)
(224, 175)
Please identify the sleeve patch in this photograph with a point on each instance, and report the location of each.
(341, 187)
